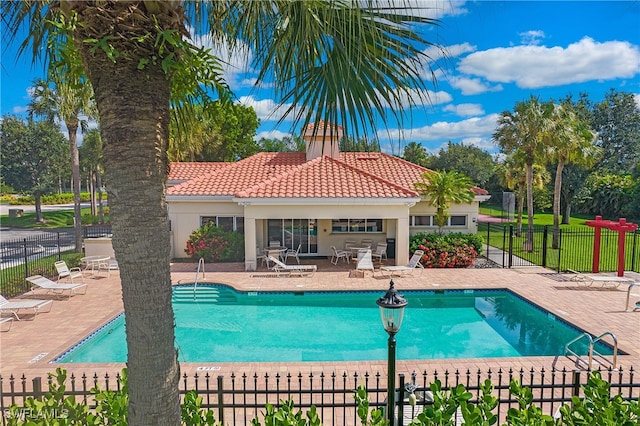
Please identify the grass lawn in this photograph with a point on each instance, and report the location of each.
(52, 220)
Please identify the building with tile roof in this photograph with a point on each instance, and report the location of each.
(315, 199)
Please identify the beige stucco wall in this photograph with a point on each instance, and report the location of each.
(469, 210)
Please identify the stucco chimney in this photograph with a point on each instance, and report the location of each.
(316, 133)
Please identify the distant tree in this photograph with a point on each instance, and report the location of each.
(416, 154)
(30, 155)
(567, 139)
(467, 159)
(617, 121)
(520, 131)
(348, 144)
(286, 144)
(444, 188)
(69, 98)
(91, 162)
(610, 195)
(217, 131)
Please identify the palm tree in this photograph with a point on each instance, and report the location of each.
(444, 188)
(71, 100)
(521, 131)
(567, 140)
(333, 60)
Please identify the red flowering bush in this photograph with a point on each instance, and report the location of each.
(213, 244)
(455, 250)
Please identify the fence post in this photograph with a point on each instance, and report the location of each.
(220, 401)
(510, 261)
(633, 251)
(488, 237)
(59, 253)
(400, 401)
(559, 249)
(545, 238)
(37, 387)
(576, 383)
(26, 258)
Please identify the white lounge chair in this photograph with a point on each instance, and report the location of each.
(301, 270)
(605, 280)
(65, 272)
(414, 263)
(336, 255)
(40, 282)
(364, 261)
(6, 323)
(16, 305)
(293, 253)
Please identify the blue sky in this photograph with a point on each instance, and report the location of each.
(499, 53)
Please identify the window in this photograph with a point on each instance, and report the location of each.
(226, 223)
(457, 221)
(431, 221)
(356, 225)
(421, 220)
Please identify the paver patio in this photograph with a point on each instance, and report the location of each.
(29, 346)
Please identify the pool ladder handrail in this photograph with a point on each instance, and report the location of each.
(626, 309)
(592, 342)
(195, 282)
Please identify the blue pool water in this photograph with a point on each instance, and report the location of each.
(224, 325)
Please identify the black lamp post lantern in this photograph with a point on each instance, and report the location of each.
(392, 307)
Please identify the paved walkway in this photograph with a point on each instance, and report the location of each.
(29, 346)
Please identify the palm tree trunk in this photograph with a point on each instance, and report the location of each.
(72, 129)
(557, 187)
(529, 239)
(134, 121)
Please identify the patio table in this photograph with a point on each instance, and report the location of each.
(96, 263)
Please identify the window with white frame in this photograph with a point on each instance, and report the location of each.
(429, 220)
(226, 223)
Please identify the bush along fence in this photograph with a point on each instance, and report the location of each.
(574, 249)
(24, 257)
(449, 398)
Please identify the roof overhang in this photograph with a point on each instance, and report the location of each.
(200, 198)
(359, 201)
(482, 198)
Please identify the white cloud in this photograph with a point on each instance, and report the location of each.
(413, 97)
(465, 109)
(473, 86)
(478, 127)
(531, 37)
(540, 66)
(271, 134)
(636, 96)
(266, 109)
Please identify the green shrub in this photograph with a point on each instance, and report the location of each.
(455, 250)
(215, 245)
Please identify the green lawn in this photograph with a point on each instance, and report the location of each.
(52, 220)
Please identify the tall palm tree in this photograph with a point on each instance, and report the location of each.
(444, 188)
(567, 140)
(336, 60)
(521, 130)
(70, 100)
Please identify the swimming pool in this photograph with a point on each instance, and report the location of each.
(225, 325)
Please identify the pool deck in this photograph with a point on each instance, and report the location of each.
(29, 346)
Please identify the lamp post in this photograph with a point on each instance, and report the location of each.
(392, 307)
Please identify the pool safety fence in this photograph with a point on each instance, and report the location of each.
(570, 248)
(237, 399)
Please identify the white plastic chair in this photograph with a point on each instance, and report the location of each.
(381, 252)
(293, 253)
(339, 254)
(65, 272)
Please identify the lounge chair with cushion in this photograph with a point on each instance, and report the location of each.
(40, 282)
(414, 263)
(34, 306)
(301, 270)
(65, 272)
(364, 261)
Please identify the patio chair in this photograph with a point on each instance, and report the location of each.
(336, 255)
(14, 306)
(40, 282)
(364, 261)
(293, 253)
(414, 263)
(380, 253)
(605, 280)
(65, 272)
(366, 242)
(301, 270)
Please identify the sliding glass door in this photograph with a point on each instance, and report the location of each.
(293, 232)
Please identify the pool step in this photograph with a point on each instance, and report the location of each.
(203, 294)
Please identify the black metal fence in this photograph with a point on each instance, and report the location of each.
(574, 250)
(237, 399)
(24, 257)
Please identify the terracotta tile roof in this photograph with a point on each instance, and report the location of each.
(181, 171)
(325, 177)
(269, 174)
